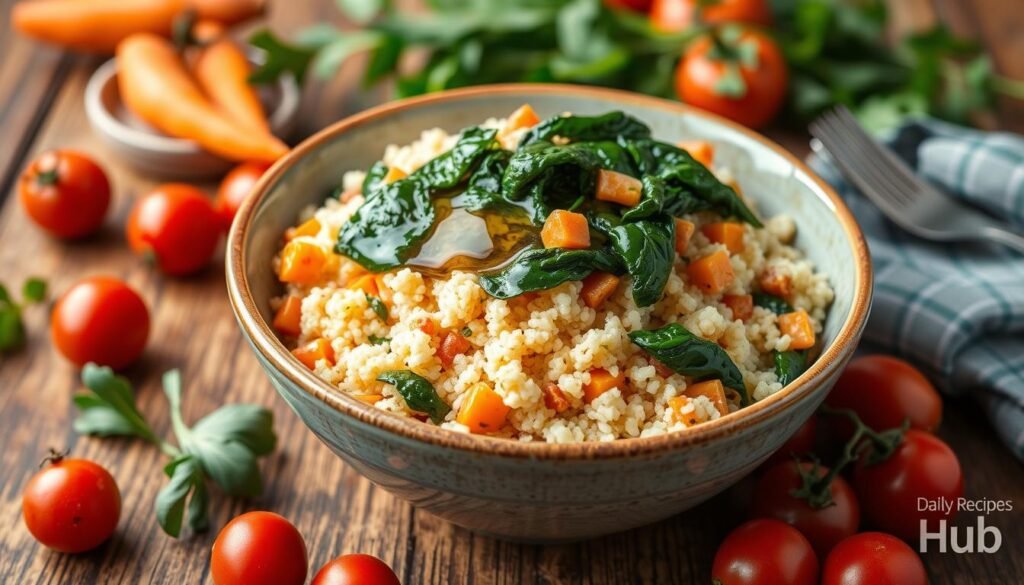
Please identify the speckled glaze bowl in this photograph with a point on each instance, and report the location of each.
(537, 491)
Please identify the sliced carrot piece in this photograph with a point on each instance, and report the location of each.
(394, 174)
(775, 282)
(452, 345)
(702, 151)
(565, 229)
(713, 390)
(483, 410)
(729, 233)
(523, 117)
(677, 404)
(288, 317)
(555, 399)
(366, 283)
(314, 351)
(310, 227)
(602, 381)
(712, 273)
(797, 325)
(684, 231)
(742, 306)
(302, 263)
(618, 188)
(597, 287)
(370, 399)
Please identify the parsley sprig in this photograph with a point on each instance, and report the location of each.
(12, 329)
(222, 446)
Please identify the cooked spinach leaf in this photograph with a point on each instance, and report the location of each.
(378, 307)
(543, 268)
(374, 177)
(687, 354)
(775, 304)
(647, 249)
(484, 188)
(419, 394)
(375, 340)
(608, 126)
(652, 199)
(789, 365)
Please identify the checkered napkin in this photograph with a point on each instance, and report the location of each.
(955, 310)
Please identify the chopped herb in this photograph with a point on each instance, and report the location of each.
(12, 328)
(789, 365)
(374, 340)
(419, 394)
(378, 307)
(467, 332)
(775, 304)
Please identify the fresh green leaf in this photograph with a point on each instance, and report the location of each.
(687, 354)
(384, 58)
(789, 365)
(5, 297)
(361, 11)
(544, 268)
(34, 290)
(775, 304)
(575, 22)
(108, 407)
(185, 477)
(418, 393)
(280, 58)
(330, 58)
(374, 340)
(378, 307)
(12, 330)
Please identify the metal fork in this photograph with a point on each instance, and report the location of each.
(902, 196)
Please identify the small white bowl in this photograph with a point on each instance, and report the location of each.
(161, 156)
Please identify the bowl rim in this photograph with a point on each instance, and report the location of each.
(273, 351)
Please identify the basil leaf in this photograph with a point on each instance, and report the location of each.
(647, 249)
(34, 290)
(5, 297)
(544, 268)
(185, 477)
(378, 307)
(775, 304)
(280, 58)
(610, 126)
(690, 355)
(418, 393)
(12, 330)
(789, 365)
(108, 408)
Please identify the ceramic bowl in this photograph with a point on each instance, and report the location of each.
(535, 491)
(158, 155)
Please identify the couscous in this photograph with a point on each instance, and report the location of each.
(571, 279)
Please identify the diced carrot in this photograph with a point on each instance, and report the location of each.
(684, 231)
(661, 369)
(703, 152)
(366, 283)
(600, 382)
(565, 229)
(315, 351)
(288, 316)
(483, 410)
(429, 327)
(310, 227)
(712, 273)
(370, 399)
(797, 325)
(677, 404)
(729, 233)
(742, 306)
(452, 345)
(394, 174)
(713, 390)
(523, 117)
(618, 188)
(555, 399)
(597, 287)
(301, 263)
(775, 282)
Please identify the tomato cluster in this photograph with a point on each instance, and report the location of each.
(805, 512)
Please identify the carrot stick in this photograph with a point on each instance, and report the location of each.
(155, 85)
(222, 71)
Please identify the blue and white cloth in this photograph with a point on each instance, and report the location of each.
(955, 310)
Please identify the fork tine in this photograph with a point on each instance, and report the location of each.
(902, 175)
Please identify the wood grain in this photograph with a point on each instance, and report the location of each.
(337, 510)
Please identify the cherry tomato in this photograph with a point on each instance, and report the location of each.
(750, 94)
(177, 225)
(100, 319)
(259, 548)
(873, 558)
(923, 466)
(235, 187)
(801, 443)
(765, 552)
(677, 15)
(884, 391)
(634, 5)
(356, 570)
(823, 527)
(65, 193)
(72, 505)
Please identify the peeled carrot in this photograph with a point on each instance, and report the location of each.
(684, 231)
(597, 287)
(155, 85)
(310, 227)
(222, 70)
(483, 410)
(775, 282)
(797, 325)
(602, 381)
(97, 26)
(452, 345)
(703, 152)
(713, 390)
(313, 352)
(618, 188)
(565, 229)
(366, 283)
(742, 306)
(677, 404)
(289, 316)
(301, 263)
(523, 117)
(712, 273)
(729, 233)
(555, 399)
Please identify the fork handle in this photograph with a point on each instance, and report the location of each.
(1004, 237)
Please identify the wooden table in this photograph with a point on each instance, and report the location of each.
(338, 512)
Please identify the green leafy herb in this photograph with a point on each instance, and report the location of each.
(418, 393)
(378, 307)
(374, 340)
(222, 447)
(789, 365)
(775, 304)
(543, 268)
(280, 58)
(610, 126)
(687, 354)
(12, 328)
